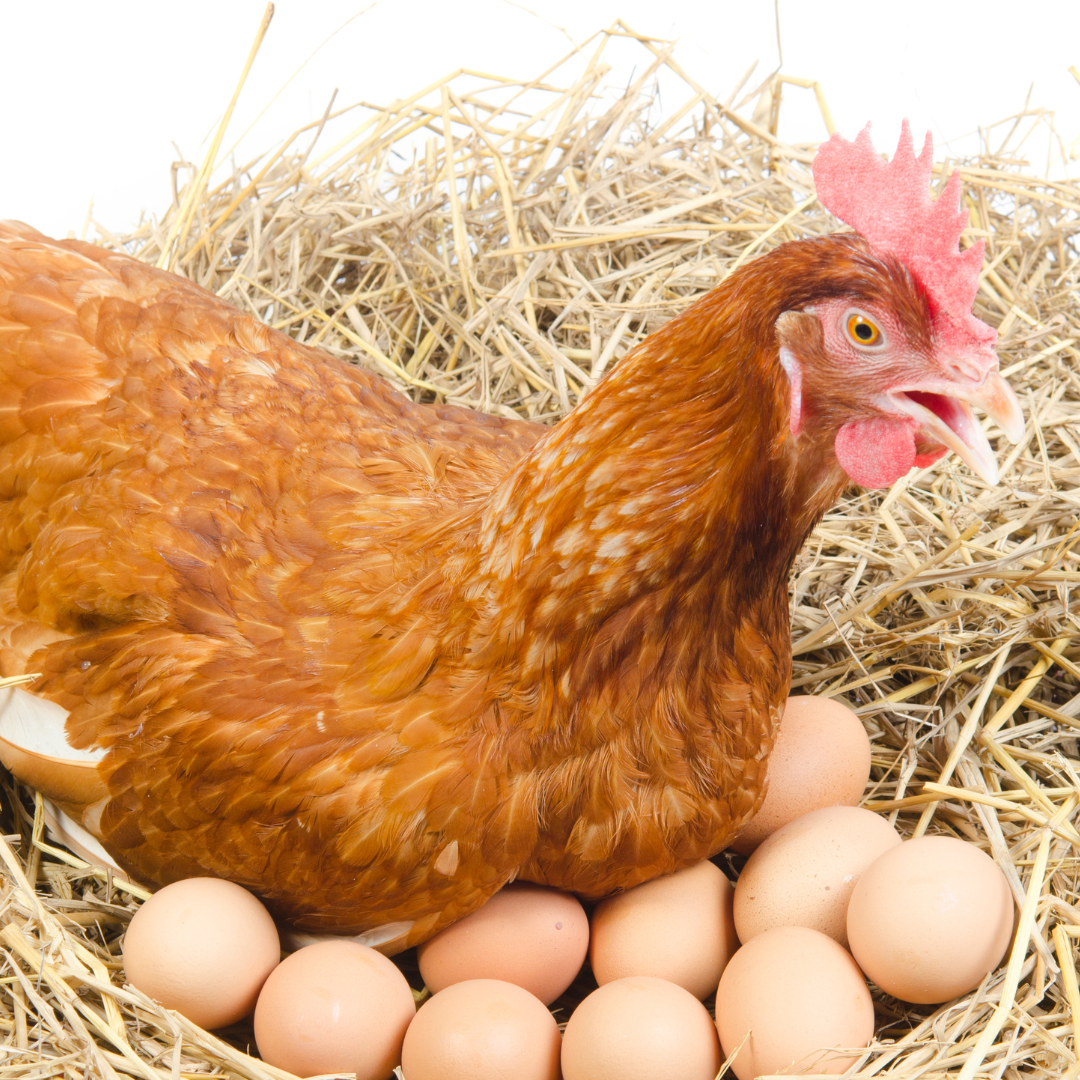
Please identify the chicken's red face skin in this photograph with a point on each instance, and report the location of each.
(873, 369)
(846, 377)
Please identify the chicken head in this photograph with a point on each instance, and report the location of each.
(892, 375)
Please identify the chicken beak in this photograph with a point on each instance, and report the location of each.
(943, 411)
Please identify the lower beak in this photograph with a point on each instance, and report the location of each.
(943, 410)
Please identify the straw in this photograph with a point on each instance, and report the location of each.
(500, 243)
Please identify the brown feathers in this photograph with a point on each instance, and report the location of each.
(374, 659)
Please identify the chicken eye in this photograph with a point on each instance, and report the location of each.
(862, 331)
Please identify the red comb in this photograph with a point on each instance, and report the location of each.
(890, 205)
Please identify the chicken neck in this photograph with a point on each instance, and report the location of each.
(677, 475)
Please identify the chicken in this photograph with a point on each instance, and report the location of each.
(373, 659)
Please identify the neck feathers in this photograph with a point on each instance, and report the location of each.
(676, 476)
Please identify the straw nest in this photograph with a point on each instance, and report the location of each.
(500, 244)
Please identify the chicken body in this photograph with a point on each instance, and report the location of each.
(373, 659)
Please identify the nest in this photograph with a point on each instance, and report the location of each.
(500, 244)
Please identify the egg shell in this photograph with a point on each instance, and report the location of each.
(640, 1028)
(203, 947)
(482, 1029)
(799, 994)
(821, 758)
(678, 927)
(334, 1007)
(525, 934)
(930, 918)
(804, 873)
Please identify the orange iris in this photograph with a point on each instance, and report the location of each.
(862, 331)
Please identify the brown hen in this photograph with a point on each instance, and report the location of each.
(373, 659)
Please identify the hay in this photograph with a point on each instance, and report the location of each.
(500, 244)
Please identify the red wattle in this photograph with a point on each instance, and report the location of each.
(876, 453)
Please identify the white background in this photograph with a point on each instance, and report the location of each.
(95, 95)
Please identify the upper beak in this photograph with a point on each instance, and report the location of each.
(943, 410)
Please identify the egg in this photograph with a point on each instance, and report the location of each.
(677, 927)
(929, 919)
(804, 873)
(334, 1007)
(204, 947)
(821, 758)
(482, 1029)
(640, 1028)
(799, 995)
(525, 934)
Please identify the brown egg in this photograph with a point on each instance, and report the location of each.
(640, 1028)
(525, 934)
(677, 927)
(204, 947)
(799, 995)
(804, 874)
(930, 918)
(334, 1007)
(482, 1029)
(821, 758)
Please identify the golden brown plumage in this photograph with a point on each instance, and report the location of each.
(373, 659)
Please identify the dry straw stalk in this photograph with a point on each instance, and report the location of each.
(500, 244)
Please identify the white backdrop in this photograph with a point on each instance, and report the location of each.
(96, 94)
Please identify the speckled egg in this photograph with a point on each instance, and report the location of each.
(790, 998)
(677, 927)
(204, 947)
(929, 919)
(525, 934)
(482, 1029)
(821, 758)
(804, 873)
(640, 1028)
